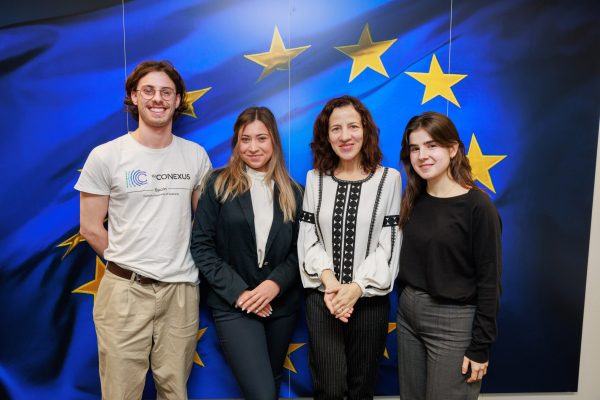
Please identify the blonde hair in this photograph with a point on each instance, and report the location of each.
(233, 179)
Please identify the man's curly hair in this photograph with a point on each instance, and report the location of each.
(144, 69)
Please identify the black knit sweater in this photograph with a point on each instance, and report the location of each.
(451, 249)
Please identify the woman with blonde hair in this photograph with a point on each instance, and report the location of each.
(244, 244)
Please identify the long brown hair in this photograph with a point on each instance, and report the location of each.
(444, 133)
(233, 179)
(144, 69)
(324, 158)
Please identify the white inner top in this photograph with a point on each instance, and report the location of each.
(262, 205)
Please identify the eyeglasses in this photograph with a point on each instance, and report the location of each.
(148, 93)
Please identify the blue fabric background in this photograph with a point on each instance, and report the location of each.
(532, 94)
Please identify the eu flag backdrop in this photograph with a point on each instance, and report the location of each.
(518, 77)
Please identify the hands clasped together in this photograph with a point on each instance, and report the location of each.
(258, 300)
(340, 297)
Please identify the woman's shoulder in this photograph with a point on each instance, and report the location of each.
(482, 203)
(312, 176)
(297, 188)
(215, 172)
(390, 176)
(391, 172)
(210, 179)
(211, 176)
(312, 173)
(479, 197)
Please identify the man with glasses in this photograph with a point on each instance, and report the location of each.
(146, 308)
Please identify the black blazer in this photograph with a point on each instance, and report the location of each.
(223, 246)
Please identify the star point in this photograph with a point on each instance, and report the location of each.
(278, 58)
(91, 287)
(197, 359)
(391, 328)
(437, 83)
(287, 364)
(481, 164)
(191, 98)
(71, 242)
(366, 54)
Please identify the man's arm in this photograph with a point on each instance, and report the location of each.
(195, 197)
(92, 211)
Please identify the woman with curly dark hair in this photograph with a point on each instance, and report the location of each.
(348, 250)
(450, 267)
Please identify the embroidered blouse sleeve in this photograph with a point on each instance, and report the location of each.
(312, 257)
(376, 274)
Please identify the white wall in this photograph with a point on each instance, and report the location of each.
(589, 367)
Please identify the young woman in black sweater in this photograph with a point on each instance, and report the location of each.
(450, 264)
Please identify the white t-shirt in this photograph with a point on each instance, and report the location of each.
(149, 207)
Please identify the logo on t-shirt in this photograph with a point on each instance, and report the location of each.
(172, 176)
(135, 178)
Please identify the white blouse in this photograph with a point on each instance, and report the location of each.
(262, 206)
(351, 227)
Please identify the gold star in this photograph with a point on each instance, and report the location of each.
(92, 286)
(437, 83)
(72, 242)
(366, 54)
(287, 364)
(278, 58)
(391, 328)
(197, 359)
(481, 164)
(191, 98)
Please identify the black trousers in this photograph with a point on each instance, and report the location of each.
(255, 349)
(344, 357)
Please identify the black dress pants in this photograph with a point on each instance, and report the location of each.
(344, 357)
(255, 349)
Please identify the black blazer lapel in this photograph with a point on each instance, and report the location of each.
(277, 220)
(245, 201)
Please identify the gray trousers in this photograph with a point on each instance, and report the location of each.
(432, 340)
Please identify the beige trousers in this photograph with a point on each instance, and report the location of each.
(145, 325)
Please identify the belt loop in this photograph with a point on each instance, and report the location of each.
(132, 279)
